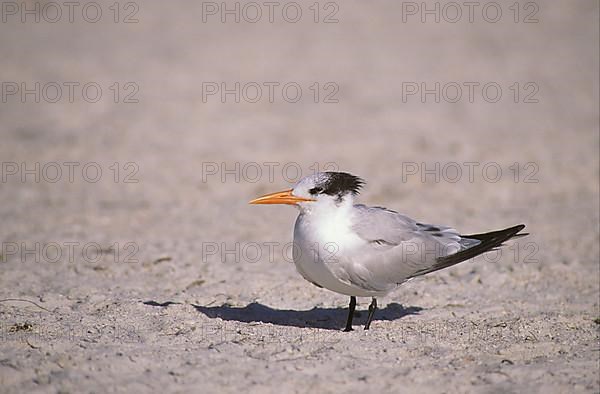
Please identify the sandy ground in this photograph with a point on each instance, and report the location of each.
(155, 274)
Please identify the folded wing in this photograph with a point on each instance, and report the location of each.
(398, 248)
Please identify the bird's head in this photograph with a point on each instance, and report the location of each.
(320, 189)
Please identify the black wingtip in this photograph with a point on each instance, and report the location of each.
(489, 241)
(507, 232)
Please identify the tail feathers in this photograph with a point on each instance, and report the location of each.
(488, 241)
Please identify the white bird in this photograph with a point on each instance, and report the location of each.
(362, 251)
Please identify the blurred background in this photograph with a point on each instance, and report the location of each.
(173, 115)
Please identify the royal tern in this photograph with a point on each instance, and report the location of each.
(362, 251)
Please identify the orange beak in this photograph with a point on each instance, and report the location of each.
(283, 197)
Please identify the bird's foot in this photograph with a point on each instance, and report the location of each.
(351, 309)
(372, 309)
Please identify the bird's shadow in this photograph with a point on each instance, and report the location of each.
(326, 318)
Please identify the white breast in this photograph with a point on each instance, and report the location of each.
(323, 248)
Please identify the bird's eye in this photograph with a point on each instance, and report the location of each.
(315, 190)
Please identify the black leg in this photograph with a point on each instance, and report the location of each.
(351, 309)
(372, 309)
